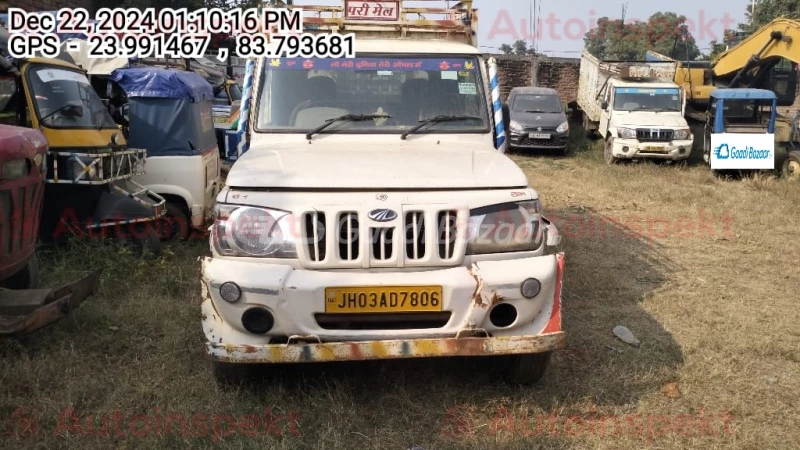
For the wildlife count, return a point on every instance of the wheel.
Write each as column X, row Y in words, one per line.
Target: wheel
column 175, row 225
column 142, row 239
column 607, row 152
column 791, row 167
column 527, row 369
column 26, row 278
column 228, row 374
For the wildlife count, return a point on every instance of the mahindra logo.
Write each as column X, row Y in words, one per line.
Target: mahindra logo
column 382, row 215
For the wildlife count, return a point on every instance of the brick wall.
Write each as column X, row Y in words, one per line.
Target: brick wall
column 561, row 74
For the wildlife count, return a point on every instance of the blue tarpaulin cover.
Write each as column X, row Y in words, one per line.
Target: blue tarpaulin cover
column 154, row 82
column 170, row 111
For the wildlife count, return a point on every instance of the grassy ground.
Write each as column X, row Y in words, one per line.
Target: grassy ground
column 704, row 272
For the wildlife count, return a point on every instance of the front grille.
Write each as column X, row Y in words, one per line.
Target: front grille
column 447, row 233
column 348, row 236
column 381, row 240
column 399, row 321
column 19, row 218
column 315, row 236
column 654, row 135
column 415, row 235
column 552, row 142
column 347, row 239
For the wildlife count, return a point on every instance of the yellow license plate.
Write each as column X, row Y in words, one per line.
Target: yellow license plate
column 654, row 149
column 383, row 299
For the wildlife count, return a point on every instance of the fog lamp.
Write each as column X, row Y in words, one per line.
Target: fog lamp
column 230, row 292
column 530, row 288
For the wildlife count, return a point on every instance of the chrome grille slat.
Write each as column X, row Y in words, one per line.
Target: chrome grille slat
column 349, row 239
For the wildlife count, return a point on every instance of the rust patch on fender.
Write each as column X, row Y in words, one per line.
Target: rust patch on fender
column 476, row 296
column 496, row 298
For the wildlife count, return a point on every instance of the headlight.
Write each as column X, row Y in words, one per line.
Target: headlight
column 508, row 227
column 683, row 133
column 15, row 168
column 515, row 126
column 563, row 127
column 626, row 133
column 253, row 232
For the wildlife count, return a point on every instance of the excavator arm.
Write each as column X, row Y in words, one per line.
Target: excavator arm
column 778, row 39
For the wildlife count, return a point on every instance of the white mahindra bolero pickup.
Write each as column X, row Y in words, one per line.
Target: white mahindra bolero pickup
column 372, row 217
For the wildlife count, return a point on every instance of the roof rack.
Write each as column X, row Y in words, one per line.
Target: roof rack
column 391, row 19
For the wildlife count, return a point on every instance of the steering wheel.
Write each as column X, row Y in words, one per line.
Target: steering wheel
column 311, row 104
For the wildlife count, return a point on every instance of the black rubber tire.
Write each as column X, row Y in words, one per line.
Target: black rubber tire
column 142, row 239
column 791, row 166
column 228, row 374
column 527, row 369
column 176, row 224
column 26, row 278
column 607, row 155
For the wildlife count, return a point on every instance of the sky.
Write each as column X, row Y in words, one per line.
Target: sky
column 564, row 22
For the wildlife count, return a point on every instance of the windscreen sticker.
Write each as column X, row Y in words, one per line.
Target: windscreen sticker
column 449, row 75
column 647, row 91
column 385, row 73
column 467, row 89
column 396, row 64
column 48, row 75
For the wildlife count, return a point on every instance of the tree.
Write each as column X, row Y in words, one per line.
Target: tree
column 664, row 32
column 519, row 47
column 768, row 10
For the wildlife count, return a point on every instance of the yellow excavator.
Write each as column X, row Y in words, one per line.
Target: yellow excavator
column 766, row 59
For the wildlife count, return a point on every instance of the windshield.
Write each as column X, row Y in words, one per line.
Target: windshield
column 299, row 95
column 637, row 99
column 536, row 103
column 53, row 88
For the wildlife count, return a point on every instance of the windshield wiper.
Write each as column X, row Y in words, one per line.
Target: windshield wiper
column 666, row 109
column 58, row 110
column 435, row 120
column 346, row 117
column 535, row 111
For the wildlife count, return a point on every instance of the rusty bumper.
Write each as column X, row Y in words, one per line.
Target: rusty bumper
column 25, row 311
column 391, row 349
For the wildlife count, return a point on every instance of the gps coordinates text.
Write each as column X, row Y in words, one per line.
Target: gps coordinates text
column 172, row 33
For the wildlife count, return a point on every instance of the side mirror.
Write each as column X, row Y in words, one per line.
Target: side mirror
column 570, row 111
column 73, row 110
column 506, row 118
column 604, row 106
column 115, row 139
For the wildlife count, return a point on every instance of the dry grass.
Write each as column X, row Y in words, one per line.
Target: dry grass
column 715, row 309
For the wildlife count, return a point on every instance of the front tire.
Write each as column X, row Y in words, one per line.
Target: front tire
column 608, row 153
column 229, row 374
column 791, row 167
column 142, row 240
column 26, row 278
column 175, row 225
column 528, row 369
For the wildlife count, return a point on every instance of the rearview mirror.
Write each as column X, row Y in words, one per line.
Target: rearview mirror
column 73, row 110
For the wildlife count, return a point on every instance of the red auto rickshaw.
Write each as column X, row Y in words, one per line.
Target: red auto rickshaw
column 23, row 306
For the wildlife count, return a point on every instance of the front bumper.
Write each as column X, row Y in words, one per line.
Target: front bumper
column 25, row 311
column 295, row 297
column 673, row 150
column 523, row 140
